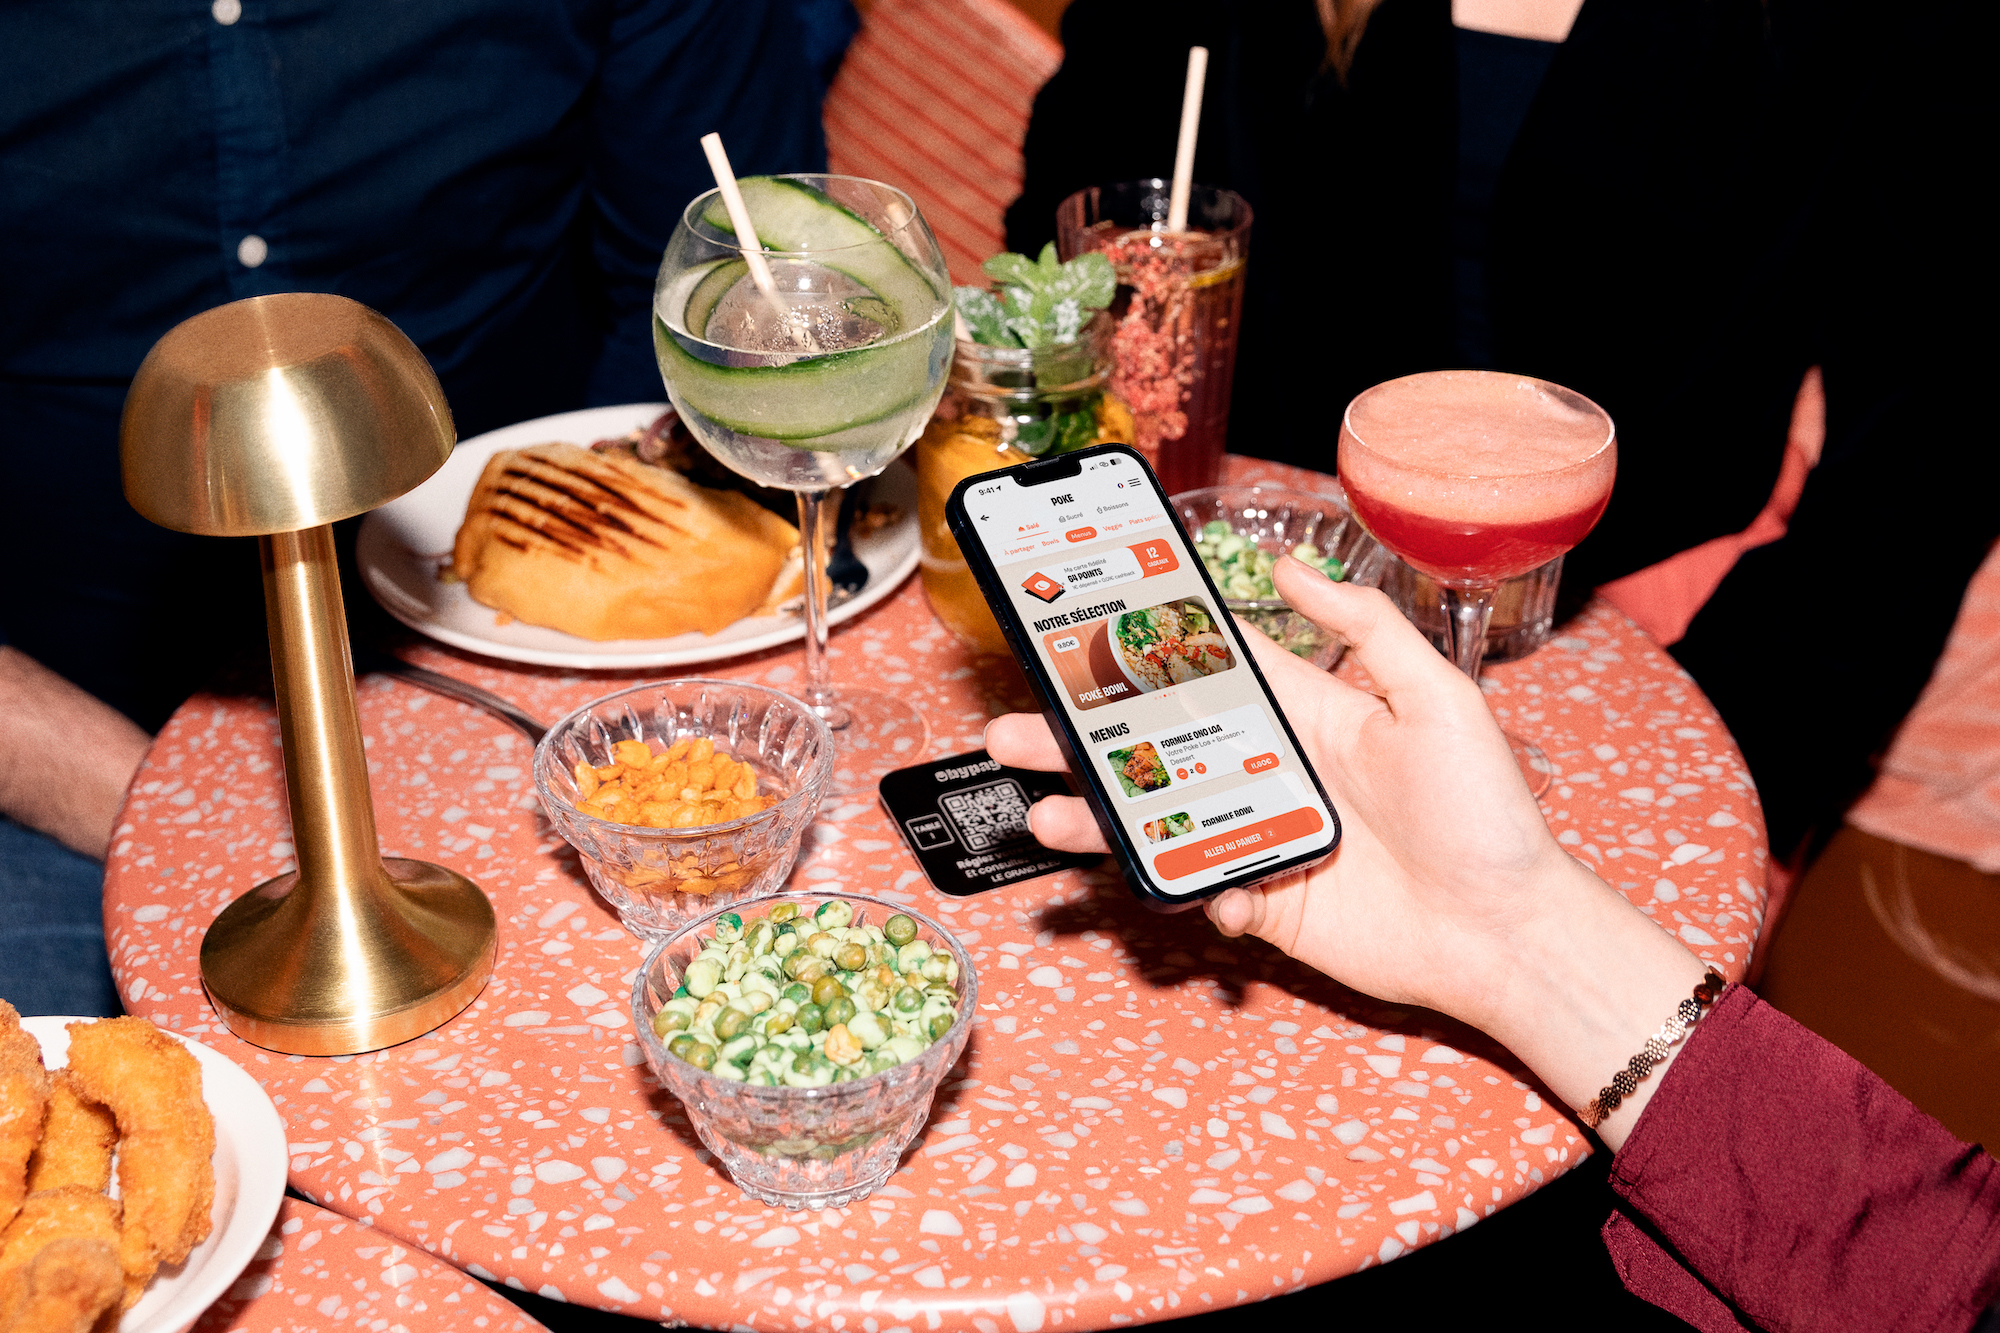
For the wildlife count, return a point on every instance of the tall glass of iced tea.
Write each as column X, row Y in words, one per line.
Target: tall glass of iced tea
column 1178, row 312
column 1475, row 477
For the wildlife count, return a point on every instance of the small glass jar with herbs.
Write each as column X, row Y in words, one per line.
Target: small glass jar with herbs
column 1027, row 381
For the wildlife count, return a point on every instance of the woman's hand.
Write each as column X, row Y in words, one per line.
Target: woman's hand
column 1447, row 889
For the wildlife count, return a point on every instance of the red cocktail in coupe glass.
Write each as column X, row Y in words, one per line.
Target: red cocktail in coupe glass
column 1475, row 477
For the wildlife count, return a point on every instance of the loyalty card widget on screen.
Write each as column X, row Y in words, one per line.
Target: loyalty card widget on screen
column 1108, row 569
column 1042, row 586
column 1238, row 741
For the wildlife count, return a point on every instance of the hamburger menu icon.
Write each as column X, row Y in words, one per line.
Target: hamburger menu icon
column 1042, row 586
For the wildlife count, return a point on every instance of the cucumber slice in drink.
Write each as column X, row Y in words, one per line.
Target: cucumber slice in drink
column 803, row 399
column 708, row 293
column 806, row 399
column 790, row 215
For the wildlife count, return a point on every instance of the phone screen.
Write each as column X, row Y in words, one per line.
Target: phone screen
column 1196, row 766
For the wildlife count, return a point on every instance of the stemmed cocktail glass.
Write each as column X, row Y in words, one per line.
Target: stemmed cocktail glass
column 1475, row 477
column 816, row 383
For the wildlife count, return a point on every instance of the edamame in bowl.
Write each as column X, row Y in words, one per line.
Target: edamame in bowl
column 806, row 1035
column 1240, row 531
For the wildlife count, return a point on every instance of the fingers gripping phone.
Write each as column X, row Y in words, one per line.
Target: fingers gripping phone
column 1187, row 760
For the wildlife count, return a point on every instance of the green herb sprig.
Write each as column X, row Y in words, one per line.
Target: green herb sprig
column 1039, row 302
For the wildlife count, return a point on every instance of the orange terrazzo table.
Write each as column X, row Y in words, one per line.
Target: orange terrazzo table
column 321, row 1271
column 1149, row 1120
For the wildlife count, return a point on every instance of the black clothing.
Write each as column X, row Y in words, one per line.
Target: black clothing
column 1497, row 80
column 1703, row 201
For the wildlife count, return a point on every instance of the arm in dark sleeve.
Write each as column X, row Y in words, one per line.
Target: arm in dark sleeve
column 1774, row 1182
column 672, row 73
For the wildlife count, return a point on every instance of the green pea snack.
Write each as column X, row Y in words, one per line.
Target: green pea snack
column 1242, row 572
column 801, row 999
column 1242, row 569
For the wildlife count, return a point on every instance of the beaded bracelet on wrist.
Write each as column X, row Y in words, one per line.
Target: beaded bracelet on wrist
column 1626, row 1081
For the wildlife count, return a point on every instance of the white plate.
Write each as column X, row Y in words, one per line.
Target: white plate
column 250, row 1165
column 403, row 544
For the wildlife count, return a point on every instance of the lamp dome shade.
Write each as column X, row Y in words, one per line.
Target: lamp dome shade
column 280, row 413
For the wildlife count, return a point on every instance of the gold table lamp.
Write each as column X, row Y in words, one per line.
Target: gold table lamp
column 274, row 418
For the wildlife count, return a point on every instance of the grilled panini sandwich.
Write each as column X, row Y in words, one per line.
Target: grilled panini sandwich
column 606, row 547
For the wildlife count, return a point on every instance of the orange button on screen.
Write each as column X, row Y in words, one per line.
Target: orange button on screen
column 1248, row 839
column 1155, row 558
column 1260, row 763
column 1080, row 534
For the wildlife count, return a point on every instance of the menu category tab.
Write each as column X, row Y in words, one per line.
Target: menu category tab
column 1024, row 523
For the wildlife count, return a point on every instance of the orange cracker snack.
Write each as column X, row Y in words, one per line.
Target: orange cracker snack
column 689, row 785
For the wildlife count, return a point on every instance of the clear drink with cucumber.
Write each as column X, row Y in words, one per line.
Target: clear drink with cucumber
column 820, row 382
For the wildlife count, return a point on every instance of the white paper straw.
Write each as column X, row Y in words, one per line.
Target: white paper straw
column 739, row 217
column 1197, row 75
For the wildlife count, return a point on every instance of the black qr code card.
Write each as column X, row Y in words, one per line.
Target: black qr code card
column 966, row 820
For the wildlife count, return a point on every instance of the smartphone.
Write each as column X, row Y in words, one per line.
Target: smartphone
column 1187, row 760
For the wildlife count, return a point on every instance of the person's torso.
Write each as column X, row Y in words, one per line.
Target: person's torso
column 161, row 156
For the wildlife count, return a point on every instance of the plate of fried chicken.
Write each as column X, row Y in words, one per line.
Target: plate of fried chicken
column 139, row 1173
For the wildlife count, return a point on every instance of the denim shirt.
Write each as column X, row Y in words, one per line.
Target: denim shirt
column 499, row 177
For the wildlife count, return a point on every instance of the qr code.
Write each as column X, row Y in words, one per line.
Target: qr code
column 989, row 816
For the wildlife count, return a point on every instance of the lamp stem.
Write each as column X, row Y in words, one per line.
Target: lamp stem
column 326, row 766
column 350, row 952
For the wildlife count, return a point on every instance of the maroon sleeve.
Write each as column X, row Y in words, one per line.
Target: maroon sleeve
column 1775, row 1181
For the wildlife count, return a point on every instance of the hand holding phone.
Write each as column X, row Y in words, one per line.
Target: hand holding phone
column 1189, row 765
column 1449, row 890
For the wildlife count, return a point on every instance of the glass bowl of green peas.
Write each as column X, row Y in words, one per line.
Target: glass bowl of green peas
column 806, row 1034
column 1240, row 531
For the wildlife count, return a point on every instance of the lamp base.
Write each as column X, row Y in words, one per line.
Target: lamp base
column 337, row 969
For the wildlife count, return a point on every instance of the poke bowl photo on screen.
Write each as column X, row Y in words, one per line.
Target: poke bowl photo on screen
column 1170, row 643
column 1172, row 826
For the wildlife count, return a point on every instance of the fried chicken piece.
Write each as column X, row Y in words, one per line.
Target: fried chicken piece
column 72, row 1212
column 24, row 1102
column 59, row 1266
column 166, row 1138
column 77, row 1140
column 68, row 1288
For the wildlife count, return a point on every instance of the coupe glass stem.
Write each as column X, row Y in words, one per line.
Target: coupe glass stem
column 1466, row 611
column 813, row 544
